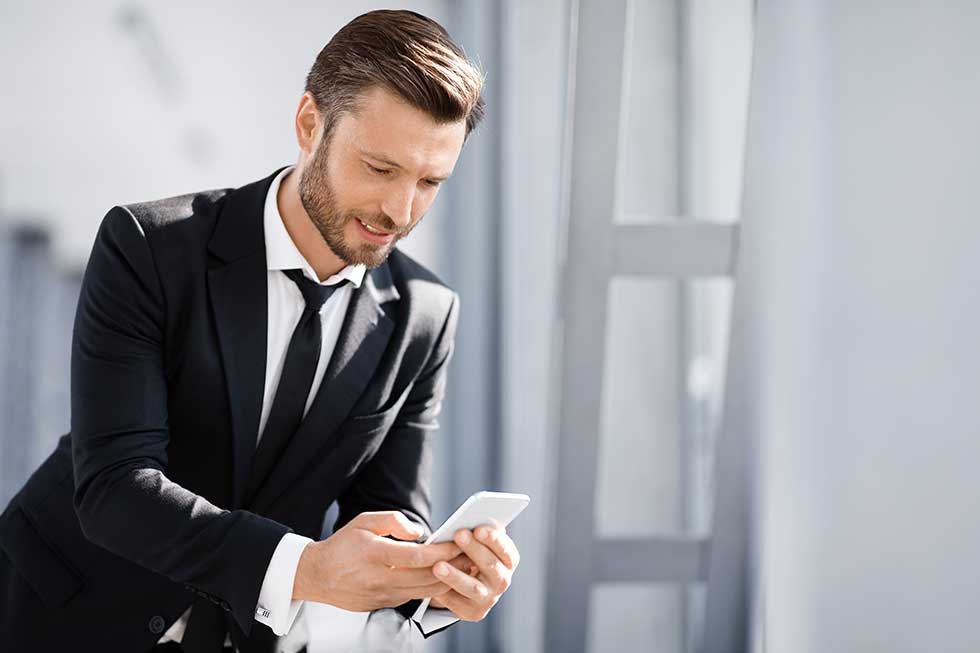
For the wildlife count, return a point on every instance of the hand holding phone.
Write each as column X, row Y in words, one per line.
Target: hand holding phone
column 494, row 509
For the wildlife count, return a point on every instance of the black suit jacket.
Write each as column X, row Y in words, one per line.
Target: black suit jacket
column 144, row 506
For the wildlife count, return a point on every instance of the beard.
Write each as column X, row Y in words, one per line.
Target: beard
column 317, row 194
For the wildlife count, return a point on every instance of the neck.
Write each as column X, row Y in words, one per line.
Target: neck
column 303, row 232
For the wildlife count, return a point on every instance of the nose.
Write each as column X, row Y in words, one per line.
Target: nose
column 398, row 206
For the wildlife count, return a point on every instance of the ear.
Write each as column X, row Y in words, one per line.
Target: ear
column 309, row 124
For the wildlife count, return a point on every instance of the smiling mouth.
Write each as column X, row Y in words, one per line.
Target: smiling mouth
column 373, row 230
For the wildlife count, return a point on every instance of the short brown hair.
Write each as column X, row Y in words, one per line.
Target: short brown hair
column 404, row 52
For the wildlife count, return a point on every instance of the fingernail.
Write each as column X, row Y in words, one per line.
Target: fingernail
column 481, row 590
column 464, row 537
column 482, row 533
column 442, row 569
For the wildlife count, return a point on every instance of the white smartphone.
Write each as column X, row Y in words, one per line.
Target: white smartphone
column 482, row 508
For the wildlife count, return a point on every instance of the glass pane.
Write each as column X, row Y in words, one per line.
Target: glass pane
column 630, row 617
column 638, row 474
column 648, row 171
column 696, row 602
column 707, row 308
column 685, row 107
column 663, row 382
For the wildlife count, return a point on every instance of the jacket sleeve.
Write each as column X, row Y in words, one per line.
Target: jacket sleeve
column 398, row 477
column 124, row 501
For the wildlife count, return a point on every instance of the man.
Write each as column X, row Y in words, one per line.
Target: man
column 241, row 359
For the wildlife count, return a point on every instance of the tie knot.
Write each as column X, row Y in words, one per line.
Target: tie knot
column 314, row 293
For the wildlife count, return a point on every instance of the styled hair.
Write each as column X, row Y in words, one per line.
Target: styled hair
column 404, row 52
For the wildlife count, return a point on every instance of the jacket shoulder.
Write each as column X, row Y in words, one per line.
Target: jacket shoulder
column 411, row 276
column 171, row 211
column 429, row 299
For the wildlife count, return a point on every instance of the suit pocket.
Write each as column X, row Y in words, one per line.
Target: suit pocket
column 51, row 576
column 378, row 417
column 372, row 422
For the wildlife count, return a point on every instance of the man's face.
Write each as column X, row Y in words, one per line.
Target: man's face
column 380, row 169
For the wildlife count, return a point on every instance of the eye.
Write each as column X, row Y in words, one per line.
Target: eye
column 432, row 183
column 378, row 171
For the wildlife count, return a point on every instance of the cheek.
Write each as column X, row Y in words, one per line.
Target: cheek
column 423, row 201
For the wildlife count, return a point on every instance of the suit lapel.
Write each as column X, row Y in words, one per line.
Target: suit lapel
column 238, row 290
column 363, row 339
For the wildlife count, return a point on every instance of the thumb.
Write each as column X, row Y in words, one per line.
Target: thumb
column 389, row 522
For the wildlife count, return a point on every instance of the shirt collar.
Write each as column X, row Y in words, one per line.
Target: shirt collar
column 281, row 252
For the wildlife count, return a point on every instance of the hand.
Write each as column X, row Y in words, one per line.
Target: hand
column 493, row 559
column 358, row 569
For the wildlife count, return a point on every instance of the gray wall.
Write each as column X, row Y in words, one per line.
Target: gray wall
column 856, row 317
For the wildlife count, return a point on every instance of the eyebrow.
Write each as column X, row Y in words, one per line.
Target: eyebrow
column 389, row 162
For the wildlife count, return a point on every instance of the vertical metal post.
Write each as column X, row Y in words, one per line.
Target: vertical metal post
column 594, row 152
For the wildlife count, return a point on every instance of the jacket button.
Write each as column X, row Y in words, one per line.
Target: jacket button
column 157, row 624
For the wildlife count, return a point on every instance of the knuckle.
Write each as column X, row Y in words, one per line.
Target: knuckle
column 494, row 569
column 384, row 557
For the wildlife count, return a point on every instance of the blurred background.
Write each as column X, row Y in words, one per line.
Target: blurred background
column 715, row 260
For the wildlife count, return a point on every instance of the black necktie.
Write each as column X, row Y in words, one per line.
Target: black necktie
column 297, row 377
column 206, row 629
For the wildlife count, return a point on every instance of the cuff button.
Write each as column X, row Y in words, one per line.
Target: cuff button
column 157, row 624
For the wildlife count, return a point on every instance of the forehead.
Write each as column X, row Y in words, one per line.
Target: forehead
column 385, row 124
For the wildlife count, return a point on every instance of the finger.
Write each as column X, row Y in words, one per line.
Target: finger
column 401, row 595
column 461, row 606
column 495, row 573
column 407, row 577
column 408, row 554
column 501, row 544
column 464, row 584
column 462, row 562
column 437, row 588
column 436, row 601
column 388, row 522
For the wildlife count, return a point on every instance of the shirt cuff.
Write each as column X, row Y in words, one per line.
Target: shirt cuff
column 430, row 621
column 276, row 607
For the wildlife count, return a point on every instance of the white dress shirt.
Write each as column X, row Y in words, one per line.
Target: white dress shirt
column 276, row 607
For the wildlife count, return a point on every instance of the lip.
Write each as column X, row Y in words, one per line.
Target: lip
column 374, row 238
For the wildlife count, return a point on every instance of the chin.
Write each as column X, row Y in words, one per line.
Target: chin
column 366, row 255
column 352, row 250
column 376, row 259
